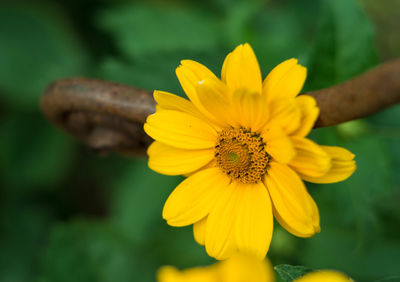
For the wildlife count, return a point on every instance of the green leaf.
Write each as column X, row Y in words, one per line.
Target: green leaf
column 35, row 155
column 287, row 273
column 389, row 279
column 283, row 245
column 277, row 35
column 156, row 71
column 339, row 247
column 353, row 129
column 37, row 46
column 370, row 184
column 141, row 29
column 354, row 226
column 344, row 46
column 238, row 19
column 359, row 196
column 387, row 119
column 24, row 225
column 176, row 246
column 386, row 124
column 136, row 210
column 139, row 196
column 84, row 251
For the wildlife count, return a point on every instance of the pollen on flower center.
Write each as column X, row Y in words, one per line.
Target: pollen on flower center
column 240, row 154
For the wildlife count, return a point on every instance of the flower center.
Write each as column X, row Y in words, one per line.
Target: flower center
column 240, row 154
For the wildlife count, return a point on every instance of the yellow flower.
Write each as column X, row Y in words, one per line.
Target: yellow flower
column 241, row 142
column 324, row 276
column 241, row 268
column 238, row 268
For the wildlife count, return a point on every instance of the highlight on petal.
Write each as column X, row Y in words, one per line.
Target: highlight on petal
column 241, row 70
column 278, row 144
column 220, row 224
column 199, row 231
column 169, row 101
column 293, row 206
column 216, row 104
column 254, row 220
column 224, row 67
column 180, row 130
column 194, row 197
column 189, row 74
column 309, row 114
column 286, row 114
column 342, row 167
column 311, row 159
column 285, row 81
column 324, row 275
column 174, row 161
column 250, row 109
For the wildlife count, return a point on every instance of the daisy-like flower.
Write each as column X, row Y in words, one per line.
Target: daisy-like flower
column 241, row 142
column 241, row 268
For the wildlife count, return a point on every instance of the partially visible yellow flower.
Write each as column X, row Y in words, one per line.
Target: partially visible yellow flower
column 242, row 143
column 238, row 268
column 324, row 276
column 241, row 268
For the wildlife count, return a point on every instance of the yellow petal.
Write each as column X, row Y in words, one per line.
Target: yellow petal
column 325, row 276
column 216, row 102
column 173, row 161
column 168, row 274
column 310, row 159
column 278, row 144
column 199, row 231
column 246, row 268
column 309, row 114
column 342, row 167
column 197, row 274
column 213, row 163
column 254, row 220
column 194, row 197
column 180, row 130
column 220, row 224
column 168, row 101
column 285, row 113
column 241, row 70
column 285, row 81
column 250, row 109
column 293, row 207
column 224, row 67
column 189, row 74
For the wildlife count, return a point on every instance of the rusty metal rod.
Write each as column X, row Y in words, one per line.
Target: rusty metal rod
column 360, row 96
column 109, row 117
column 105, row 116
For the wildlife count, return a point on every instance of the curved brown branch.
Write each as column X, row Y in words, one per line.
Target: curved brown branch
column 361, row 96
column 108, row 116
column 105, row 116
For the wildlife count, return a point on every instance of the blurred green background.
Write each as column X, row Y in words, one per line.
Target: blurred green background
column 70, row 215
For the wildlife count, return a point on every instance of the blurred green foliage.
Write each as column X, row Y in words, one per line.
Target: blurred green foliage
column 69, row 215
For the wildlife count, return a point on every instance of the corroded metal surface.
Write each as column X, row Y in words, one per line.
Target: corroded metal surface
column 361, row 96
column 109, row 117
column 105, row 116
